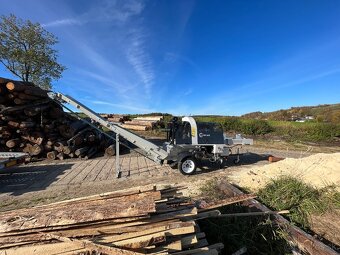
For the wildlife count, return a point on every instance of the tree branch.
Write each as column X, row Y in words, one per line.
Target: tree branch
column 12, row 71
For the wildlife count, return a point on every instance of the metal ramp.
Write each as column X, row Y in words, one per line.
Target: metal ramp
column 151, row 151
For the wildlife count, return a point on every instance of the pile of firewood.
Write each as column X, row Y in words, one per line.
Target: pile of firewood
column 147, row 221
column 144, row 123
column 31, row 122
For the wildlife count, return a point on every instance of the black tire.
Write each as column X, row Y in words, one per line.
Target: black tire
column 187, row 166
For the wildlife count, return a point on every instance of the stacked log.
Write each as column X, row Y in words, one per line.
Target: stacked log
column 144, row 123
column 138, row 221
column 115, row 117
column 31, row 122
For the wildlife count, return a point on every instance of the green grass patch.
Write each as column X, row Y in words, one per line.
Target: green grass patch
column 301, row 199
column 309, row 131
column 305, row 131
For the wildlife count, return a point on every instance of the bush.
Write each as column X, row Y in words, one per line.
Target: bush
column 232, row 124
column 308, row 131
column 256, row 127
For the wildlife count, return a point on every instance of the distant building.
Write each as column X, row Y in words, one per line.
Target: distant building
column 300, row 120
column 304, row 119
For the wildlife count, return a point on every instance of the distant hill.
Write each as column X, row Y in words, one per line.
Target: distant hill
column 321, row 113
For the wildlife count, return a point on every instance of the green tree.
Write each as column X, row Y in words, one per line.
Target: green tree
column 26, row 51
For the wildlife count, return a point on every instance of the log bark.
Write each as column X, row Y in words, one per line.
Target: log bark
column 35, row 110
column 26, row 124
column 91, row 153
column 20, row 101
column 81, row 151
column 35, row 91
column 27, row 97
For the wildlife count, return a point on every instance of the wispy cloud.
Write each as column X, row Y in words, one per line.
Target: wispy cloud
column 138, row 56
column 62, row 22
column 121, row 10
column 172, row 57
column 122, row 106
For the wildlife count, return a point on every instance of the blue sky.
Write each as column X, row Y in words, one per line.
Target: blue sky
column 192, row 57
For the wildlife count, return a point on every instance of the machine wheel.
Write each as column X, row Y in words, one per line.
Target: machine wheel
column 187, row 166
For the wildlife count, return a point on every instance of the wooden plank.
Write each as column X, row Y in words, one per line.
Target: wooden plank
column 75, row 170
column 114, row 226
column 152, row 229
column 104, row 173
column 93, row 176
column 127, row 206
column 147, row 240
column 173, row 246
column 189, row 241
column 43, row 249
column 228, row 201
column 203, row 250
column 96, row 247
column 140, row 242
column 95, row 171
column 79, row 178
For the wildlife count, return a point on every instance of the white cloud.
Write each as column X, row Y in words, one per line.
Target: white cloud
column 122, row 106
column 119, row 11
column 109, row 10
column 62, row 22
column 139, row 58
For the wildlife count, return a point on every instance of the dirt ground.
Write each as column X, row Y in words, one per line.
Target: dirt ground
column 50, row 181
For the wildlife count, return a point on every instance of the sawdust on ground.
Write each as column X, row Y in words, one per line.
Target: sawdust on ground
column 319, row 170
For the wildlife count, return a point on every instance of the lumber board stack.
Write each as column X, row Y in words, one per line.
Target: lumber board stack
column 144, row 123
column 31, row 122
column 138, row 221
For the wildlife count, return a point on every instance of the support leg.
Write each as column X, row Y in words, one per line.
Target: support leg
column 117, row 156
